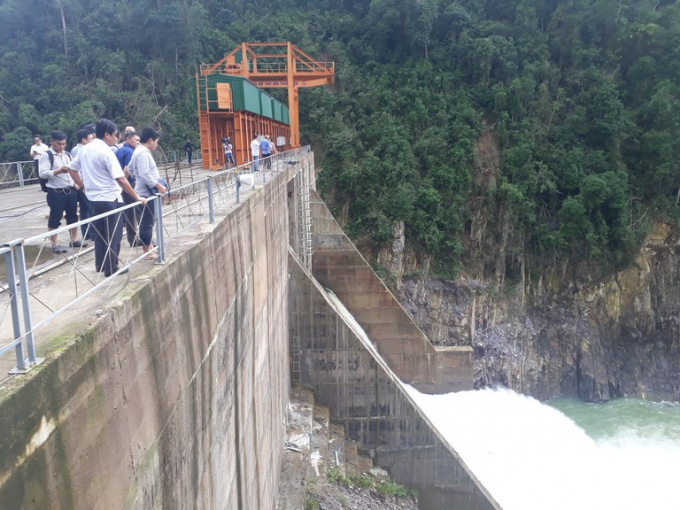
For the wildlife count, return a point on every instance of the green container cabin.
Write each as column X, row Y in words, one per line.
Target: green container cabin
column 265, row 104
column 245, row 97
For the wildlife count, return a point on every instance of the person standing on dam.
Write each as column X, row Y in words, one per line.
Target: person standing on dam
column 84, row 135
column 148, row 183
column 228, row 152
column 62, row 195
column 37, row 149
column 189, row 149
column 124, row 155
column 255, row 149
column 102, row 180
column 265, row 152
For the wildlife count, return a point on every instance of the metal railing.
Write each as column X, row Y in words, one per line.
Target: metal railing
column 163, row 157
column 72, row 275
column 273, row 67
column 21, row 173
column 18, row 173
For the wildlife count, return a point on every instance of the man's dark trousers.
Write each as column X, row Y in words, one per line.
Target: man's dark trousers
column 85, row 212
column 109, row 235
column 131, row 218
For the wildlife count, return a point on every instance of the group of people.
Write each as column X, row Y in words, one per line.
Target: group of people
column 262, row 148
column 98, row 176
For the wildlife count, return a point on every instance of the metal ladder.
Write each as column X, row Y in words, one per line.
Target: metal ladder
column 304, row 221
column 304, row 214
column 204, row 120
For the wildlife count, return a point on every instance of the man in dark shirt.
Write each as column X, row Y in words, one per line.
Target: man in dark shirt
column 124, row 155
column 189, row 149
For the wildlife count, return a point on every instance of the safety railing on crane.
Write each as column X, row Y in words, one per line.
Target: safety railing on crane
column 270, row 67
column 29, row 303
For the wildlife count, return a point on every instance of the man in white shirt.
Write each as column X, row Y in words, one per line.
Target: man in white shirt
column 102, row 180
column 255, row 149
column 148, row 182
column 62, row 195
column 84, row 135
column 37, row 149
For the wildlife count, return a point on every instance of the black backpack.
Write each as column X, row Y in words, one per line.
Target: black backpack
column 43, row 182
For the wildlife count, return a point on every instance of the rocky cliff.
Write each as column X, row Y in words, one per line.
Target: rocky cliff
column 559, row 334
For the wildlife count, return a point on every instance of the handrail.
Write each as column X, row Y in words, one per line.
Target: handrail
column 271, row 68
column 14, row 174
column 174, row 212
column 18, row 174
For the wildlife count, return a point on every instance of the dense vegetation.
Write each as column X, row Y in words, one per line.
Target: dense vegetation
column 581, row 98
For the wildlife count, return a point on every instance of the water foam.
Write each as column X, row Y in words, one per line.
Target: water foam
column 532, row 456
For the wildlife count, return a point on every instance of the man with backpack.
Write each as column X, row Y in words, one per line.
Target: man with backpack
column 62, row 196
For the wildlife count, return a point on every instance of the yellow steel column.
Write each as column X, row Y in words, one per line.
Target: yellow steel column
column 244, row 60
column 293, row 99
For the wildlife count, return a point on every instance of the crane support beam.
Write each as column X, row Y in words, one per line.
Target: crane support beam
column 276, row 65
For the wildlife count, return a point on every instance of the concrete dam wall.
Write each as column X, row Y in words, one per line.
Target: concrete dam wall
column 175, row 398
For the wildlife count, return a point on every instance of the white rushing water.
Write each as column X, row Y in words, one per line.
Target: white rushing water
column 532, row 456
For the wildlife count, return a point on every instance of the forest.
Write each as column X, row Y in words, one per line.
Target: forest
column 580, row 99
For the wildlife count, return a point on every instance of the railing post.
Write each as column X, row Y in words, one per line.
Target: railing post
column 20, row 174
column 211, row 202
column 25, row 304
column 158, row 212
column 238, row 188
column 14, row 305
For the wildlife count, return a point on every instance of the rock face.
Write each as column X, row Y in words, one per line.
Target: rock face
column 560, row 334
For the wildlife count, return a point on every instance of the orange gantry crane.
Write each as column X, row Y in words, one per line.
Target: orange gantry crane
column 266, row 65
